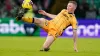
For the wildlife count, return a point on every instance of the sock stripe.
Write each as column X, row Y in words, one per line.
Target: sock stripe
column 33, row 20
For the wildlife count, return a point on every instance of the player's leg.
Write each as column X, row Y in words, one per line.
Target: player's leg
column 49, row 40
column 38, row 21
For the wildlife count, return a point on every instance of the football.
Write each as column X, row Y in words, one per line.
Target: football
column 27, row 4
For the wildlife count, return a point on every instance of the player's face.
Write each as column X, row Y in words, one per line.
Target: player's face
column 70, row 7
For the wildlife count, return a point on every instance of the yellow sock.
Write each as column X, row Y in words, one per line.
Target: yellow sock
column 28, row 20
column 28, row 17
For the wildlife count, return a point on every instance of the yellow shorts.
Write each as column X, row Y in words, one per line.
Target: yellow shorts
column 50, row 29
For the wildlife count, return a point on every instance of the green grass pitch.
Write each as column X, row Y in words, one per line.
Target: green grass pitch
column 30, row 46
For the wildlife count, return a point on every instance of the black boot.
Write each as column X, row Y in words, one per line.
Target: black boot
column 45, row 49
column 21, row 12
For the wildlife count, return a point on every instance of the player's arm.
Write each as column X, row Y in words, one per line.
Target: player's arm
column 74, row 26
column 75, row 39
column 46, row 14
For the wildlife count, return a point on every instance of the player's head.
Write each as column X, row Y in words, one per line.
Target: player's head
column 72, row 5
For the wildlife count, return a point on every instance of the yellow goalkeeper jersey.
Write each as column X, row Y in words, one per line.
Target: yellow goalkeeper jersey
column 63, row 20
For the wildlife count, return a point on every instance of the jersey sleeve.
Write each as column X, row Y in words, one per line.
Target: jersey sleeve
column 63, row 10
column 74, row 24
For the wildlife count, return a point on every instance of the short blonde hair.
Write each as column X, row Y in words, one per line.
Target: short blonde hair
column 74, row 2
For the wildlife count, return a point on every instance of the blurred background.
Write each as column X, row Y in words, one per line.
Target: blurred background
column 18, row 38
column 87, row 14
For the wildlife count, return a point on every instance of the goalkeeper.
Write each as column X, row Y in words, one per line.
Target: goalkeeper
column 53, row 27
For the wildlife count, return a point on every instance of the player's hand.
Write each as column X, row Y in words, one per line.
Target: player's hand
column 42, row 12
column 75, row 48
